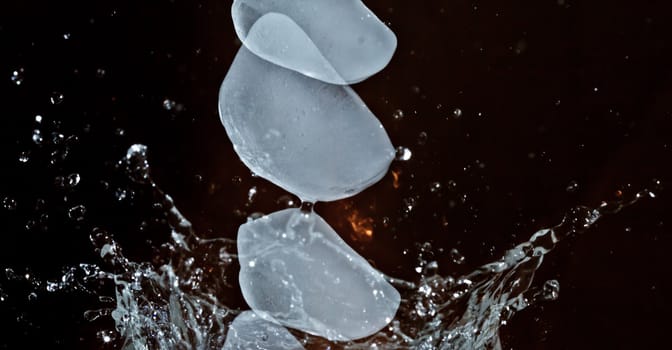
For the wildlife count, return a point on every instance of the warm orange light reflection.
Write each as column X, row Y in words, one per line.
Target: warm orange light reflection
column 362, row 227
column 395, row 178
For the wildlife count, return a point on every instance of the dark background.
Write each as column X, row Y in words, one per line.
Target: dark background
column 563, row 102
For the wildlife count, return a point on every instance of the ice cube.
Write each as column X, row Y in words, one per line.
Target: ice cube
column 249, row 331
column 316, row 37
column 295, row 269
column 316, row 140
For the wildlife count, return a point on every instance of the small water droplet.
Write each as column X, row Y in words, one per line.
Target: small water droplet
column 254, row 216
column 409, row 204
column 38, row 119
column 66, row 36
column 9, row 203
column 572, row 187
column 456, row 257
column 100, row 73
column 403, row 153
column 551, row 290
column 77, row 213
column 457, row 113
column 435, row 187
column 307, row 207
column 106, row 336
column 24, row 157
column 398, row 114
column 422, row 138
column 287, row 201
column 17, row 76
column 56, row 98
column 237, row 180
column 168, row 104
column 251, row 194
column 72, row 180
column 37, row 136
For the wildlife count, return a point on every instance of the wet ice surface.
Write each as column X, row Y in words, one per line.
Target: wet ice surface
column 339, row 42
column 296, row 269
column 249, row 331
column 316, row 140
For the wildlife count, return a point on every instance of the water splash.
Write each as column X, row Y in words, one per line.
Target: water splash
column 188, row 295
column 181, row 302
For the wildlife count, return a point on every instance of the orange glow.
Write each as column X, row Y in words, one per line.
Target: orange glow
column 395, row 178
column 362, row 227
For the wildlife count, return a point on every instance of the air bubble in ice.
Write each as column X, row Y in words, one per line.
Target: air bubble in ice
column 338, row 42
column 296, row 270
column 319, row 142
column 249, row 331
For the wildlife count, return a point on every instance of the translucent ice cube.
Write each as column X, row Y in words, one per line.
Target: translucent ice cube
column 316, row 37
column 249, row 331
column 295, row 269
column 316, row 140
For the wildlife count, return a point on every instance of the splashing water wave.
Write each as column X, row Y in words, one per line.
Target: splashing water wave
column 181, row 303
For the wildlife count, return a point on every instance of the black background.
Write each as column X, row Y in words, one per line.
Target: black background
column 563, row 102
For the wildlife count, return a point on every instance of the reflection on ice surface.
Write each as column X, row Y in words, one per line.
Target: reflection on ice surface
column 297, row 270
column 316, row 140
column 338, row 42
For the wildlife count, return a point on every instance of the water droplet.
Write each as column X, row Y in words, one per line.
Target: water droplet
column 457, row 113
column 422, row 138
column 38, row 119
column 398, row 114
column 100, row 73
column 551, row 290
column 66, row 36
column 17, row 76
column 435, row 187
column 72, row 180
column 9, row 203
column 254, row 216
column 77, row 213
column 307, row 207
column 251, row 194
column 37, row 136
column 56, row 98
column 403, row 153
column 121, row 194
column 456, row 257
column 24, row 157
column 168, row 104
column 237, row 180
column 409, row 204
column 572, row 187
column 106, row 336
column 287, row 201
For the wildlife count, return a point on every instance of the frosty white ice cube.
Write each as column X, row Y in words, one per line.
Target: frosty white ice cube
column 295, row 269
